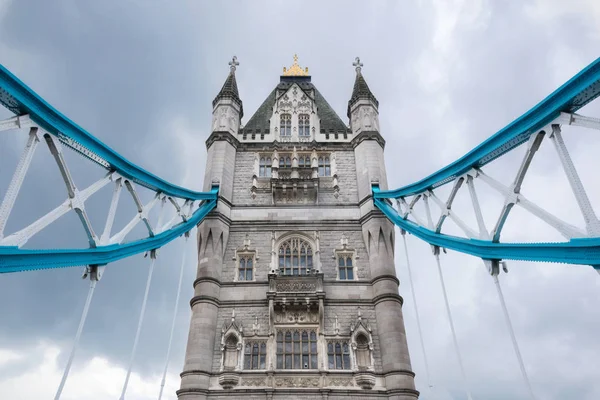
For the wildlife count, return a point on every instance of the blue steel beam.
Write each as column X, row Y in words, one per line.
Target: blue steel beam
column 576, row 251
column 570, row 97
column 20, row 99
column 13, row 259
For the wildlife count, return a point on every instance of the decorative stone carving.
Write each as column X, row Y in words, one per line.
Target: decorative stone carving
column 257, row 382
column 231, row 345
column 366, row 380
column 340, row 382
column 292, row 286
column 228, row 380
column 297, row 317
column 297, row 382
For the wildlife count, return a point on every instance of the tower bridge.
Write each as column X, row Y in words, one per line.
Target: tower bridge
column 296, row 293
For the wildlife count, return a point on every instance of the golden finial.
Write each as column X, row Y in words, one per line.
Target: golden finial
column 295, row 69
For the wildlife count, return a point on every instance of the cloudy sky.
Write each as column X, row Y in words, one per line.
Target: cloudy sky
column 141, row 77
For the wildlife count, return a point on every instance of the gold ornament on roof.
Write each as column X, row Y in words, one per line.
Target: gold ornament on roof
column 295, row 69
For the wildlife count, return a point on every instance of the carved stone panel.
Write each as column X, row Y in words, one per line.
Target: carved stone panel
column 297, row 382
column 296, row 317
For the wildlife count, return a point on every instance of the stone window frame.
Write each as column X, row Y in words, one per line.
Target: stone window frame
column 260, row 356
column 338, row 253
column 245, row 255
column 303, row 125
column 264, row 166
column 313, row 357
column 285, row 125
column 324, row 165
column 245, row 251
column 348, row 364
column 308, row 269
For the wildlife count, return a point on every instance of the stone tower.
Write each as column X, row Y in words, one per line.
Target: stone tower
column 296, row 295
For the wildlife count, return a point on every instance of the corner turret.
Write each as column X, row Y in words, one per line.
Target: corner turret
column 228, row 109
column 363, row 107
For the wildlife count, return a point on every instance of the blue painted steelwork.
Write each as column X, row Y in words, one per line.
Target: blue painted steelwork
column 576, row 251
column 21, row 100
column 570, row 97
column 13, row 259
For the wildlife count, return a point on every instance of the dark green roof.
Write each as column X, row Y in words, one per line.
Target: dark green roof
column 329, row 120
column 230, row 91
column 361, row 91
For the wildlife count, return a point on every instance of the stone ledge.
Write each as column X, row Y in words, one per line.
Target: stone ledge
column 204, row 299
column 388, row 297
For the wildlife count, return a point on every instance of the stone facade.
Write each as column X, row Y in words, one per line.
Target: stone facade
column 296, row 293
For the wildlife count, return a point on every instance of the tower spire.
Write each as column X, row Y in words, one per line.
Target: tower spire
column 230, row 89
column 362, row 97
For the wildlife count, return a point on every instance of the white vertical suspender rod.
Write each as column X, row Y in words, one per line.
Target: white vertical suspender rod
column 495, row 272
column 412, row 289
column 436, row 253
column 182, row 268
column 93, row 272
column 144, row 302
column 493, row 267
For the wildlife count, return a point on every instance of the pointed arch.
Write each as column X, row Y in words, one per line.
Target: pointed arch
column 381, row 243
column 209, row 249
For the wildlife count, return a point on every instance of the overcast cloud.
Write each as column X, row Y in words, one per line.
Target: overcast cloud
column 141, row 76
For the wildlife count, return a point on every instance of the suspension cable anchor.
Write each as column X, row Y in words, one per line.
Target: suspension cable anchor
column 494, row 266
column 94, row 272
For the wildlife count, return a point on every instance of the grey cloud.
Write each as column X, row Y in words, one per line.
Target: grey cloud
column 127, row 71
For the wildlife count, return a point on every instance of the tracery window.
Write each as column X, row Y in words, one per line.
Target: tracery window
column 295, row 257
column 285, row 125
column 255, row 355
column 304, row 161
column 338, row 355
column 345, row 267
column 246, row 268
column 297, row 349
column 303, row 125
column 264, row 168
column 285, row 161
column 324, row 166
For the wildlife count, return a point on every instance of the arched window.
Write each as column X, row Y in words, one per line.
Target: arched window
column 288, row 162
column 338, row 355
column 297, row 349
column 285, row 125
column 246, row 268
column 261, row 168
column 303, row 125
column 301, row 162
column 264, row 168
column 363, row 354
column 255, row 354
column 230, row 361
column 307, row 161
column 345, row 268
column 295, row 257
column 324, row 166
column 281, row 162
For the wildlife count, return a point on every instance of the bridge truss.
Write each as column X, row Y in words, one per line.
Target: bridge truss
column 172, row 211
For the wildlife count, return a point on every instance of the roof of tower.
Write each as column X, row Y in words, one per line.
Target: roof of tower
column 260, row 121
column 230, row 89
column 361, row 89
column 329, row 120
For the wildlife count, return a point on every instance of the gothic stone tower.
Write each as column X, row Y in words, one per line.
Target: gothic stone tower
column 296, row 295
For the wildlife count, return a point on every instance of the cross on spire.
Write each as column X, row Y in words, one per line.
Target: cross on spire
column 357, row 64
column 233, row 64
